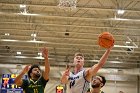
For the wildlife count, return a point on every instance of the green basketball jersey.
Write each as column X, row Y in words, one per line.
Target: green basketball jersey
column 31, row 86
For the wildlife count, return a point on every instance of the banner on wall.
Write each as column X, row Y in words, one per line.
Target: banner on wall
column 8, row 85
column 8, row 80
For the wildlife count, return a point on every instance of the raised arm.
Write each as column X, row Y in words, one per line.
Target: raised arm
column 65, row 75
column 47, row 65
column 18, row 80
column 94, row 69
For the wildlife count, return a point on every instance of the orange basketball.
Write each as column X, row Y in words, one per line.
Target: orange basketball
column 106, row 40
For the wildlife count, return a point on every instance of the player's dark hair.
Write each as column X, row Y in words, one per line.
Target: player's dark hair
column 30, row 70
column 103, row 80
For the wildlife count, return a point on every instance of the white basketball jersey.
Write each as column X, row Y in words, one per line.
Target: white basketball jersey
column 78, row 83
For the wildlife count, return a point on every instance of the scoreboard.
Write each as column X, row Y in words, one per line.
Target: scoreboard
column 8, row 85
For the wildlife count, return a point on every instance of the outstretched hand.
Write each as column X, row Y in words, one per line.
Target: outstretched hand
column 111, row 47
column 45, row 52
column 67, row 71
column 66, row 74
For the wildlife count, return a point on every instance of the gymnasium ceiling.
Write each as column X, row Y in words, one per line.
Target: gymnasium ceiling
column 66, row 31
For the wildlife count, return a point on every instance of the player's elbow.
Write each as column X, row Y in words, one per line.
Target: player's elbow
column 46, row 78
column 17, row 82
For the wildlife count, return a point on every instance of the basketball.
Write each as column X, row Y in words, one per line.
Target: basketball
column 106, row 40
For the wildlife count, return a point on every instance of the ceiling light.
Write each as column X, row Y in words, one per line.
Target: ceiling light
column 125, row 46
column 39, row 57
column 33, row 35
column 7, row 34
column 40, row 54
column 19, row 53
column 120, row 12
column 8, row 40
column 29, row 14
column 20, row 57
column 121, row 19
column 22, row 6
column 36, row 41
column 127, row 42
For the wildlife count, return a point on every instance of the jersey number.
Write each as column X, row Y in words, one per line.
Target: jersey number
column 72, row 83
column 35, row 90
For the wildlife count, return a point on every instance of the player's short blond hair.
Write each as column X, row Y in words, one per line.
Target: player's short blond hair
column 79, row 54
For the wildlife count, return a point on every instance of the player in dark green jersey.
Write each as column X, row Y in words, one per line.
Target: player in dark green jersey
column 37, row 78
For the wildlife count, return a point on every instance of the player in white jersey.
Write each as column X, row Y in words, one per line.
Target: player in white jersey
column 78, row 81
column 80, row 78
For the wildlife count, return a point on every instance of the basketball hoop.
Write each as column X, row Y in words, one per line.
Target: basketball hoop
column 71, row 4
